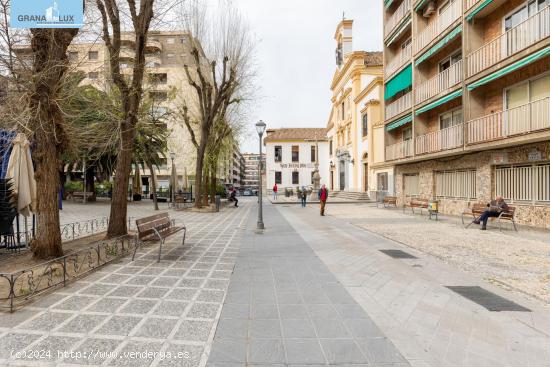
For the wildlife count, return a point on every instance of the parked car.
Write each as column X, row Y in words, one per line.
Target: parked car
column 247, row 192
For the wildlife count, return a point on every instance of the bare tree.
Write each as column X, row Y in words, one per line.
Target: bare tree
column 130, row 94
column 218, row 73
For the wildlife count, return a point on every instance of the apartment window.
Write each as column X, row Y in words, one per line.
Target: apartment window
column 382, row 181
column 523, row 12
column 365, row 124
column 73, row 56
column 158, row 96
column 278, row 177
column 407, row 43
column 529, row 91
column 295, row 178
column 460, row 184
column 170, row 41
column 449, row 61
column 451, row 118
column 523, row 183
column 93, row 75
column 411, row 184
column 278, row 153
column 93, row 55
column 170, row 56
column 295, row 153
column 330, row 147
column 313, row 155
column 407, row 133
column 159, row 78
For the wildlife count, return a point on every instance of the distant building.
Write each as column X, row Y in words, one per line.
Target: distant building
column 233, row 168
column 251, row 170
column 291, row 156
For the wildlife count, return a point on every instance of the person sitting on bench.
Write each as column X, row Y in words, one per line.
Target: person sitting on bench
column 493, row 210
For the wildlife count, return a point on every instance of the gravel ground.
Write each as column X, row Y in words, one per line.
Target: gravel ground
column 520, row 261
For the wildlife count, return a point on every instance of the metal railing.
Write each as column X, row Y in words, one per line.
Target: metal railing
column 395, row 19
column 438, row 25
column 444, row 139
column 400, row 150
column 439, row 83
column 399, row 105
column 525, row 34
column 468, row 4
column 527, row 118
column 400, row 59
column 19, row 287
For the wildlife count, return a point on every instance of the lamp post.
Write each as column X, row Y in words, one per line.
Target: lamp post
column 172, row 157
column 260, row 128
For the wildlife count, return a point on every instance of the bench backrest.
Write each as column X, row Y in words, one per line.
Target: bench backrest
column 147, row 225
column 478, row 207
column 390, row 199
column 510, row 212
column 419, row 202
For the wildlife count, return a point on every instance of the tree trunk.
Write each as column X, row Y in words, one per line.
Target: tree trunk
column 213, row 186
column 90, row 180
column 119, row 203
column 205, row 183
column 198, row 176
column 153, row 186
column 49, row 48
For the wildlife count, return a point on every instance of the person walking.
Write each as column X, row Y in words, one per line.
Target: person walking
column 304, row 196
column 275, row 192
column 233, row 197
column 323, row 196
column 495, row 208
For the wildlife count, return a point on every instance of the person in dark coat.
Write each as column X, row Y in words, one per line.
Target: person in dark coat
column 233, row 197
column 495, row 208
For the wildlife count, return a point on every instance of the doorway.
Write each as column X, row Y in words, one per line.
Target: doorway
column 342, row 172
column 365, row 177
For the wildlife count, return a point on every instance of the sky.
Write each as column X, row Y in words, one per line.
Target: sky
column 295, row 56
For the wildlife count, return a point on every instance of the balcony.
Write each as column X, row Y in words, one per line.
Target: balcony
column 403, row 57
column 468, row 4
column 444, row 139
column 441, row 82
column 400, row 150
column 398, row 106
column 127, row 54
column 525, row 34
column 438, row 25
column 153, row 45
column 528, row 118
column 395, row 19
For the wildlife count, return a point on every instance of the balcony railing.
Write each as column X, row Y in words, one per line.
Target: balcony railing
column 439, row 83
column 468, row 4
column 525, row 34
column 396, row 18
column 398, row 106
column 527, row 118
column 444, row 139
column 400, row 150
column 402, row 57
column 438, row 25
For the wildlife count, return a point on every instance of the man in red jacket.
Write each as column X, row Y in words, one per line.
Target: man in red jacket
column 275, row 192
column 323, row 196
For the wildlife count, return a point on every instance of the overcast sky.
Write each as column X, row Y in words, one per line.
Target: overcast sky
column 296, row 56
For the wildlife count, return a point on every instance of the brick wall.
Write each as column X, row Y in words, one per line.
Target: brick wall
column 533, row 215
column 493, row 22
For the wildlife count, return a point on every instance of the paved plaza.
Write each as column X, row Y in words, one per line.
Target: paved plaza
column 307, row 291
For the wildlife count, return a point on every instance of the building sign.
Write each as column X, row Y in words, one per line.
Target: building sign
column 500, row 158
column 535, row 155
column 297, row 165
column 47, row 13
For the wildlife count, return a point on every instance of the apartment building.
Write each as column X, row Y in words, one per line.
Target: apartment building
column 467, row 102
column 293, row 154
column 165, row 84
column 251, row 170
column 233, row 168
column 355, row 124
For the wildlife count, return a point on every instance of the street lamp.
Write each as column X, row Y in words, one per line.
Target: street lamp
column 172, row 157
column 260, row 128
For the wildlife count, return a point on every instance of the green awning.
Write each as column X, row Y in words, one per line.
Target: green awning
column 439, row 44
column 396, row 124
column 387, row 3
column 439, row 102
column 404, row 25
column 400, row 82
column 477, row 9
column 519, row 64
column 420, row 5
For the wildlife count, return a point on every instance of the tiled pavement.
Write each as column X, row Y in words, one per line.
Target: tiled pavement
column 139, row 306
column 285, row 308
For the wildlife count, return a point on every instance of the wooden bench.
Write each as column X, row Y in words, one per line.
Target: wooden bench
column 158, row 226
column 479, row 208
column 416, row 203
column 79, row 195
column 389, row 200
